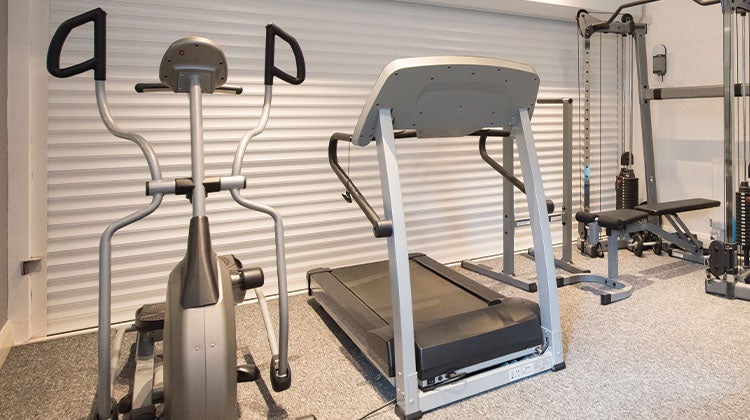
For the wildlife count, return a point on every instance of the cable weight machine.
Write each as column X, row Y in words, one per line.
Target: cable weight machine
column 626, row 182
column 725, row 275
column 683, row 243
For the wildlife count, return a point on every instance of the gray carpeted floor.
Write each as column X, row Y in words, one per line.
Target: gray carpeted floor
column 670, row 351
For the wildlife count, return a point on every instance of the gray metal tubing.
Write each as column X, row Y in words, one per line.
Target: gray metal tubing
column 743, row 92
column 146, row 149
column 266, row 314
column 280, row 272
column 694, row 92
column 586, row 154
column 509, row 216
column 196, row 145
column 742, row 291
column 240, row 153
column 104, row 390
column 380, row 227
column 407, row 391
column 278, row 231
column 675, row 219
column 508, row 175
column 627, row 5
column 728, row 75
column 541, row 234
column 567, row 209
column 649, row 166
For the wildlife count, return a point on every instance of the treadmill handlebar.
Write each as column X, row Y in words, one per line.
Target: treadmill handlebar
column 498, row 167
column 381, row 227
column 502, row 171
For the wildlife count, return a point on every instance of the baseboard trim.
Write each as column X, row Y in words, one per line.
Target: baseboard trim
column 6, row 342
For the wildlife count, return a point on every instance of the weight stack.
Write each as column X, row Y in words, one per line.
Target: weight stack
column 626, row 189
column 743, row 222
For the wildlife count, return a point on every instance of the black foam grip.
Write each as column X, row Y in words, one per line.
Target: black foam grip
column 272, row 31
column 98, row 62
column 550, row 206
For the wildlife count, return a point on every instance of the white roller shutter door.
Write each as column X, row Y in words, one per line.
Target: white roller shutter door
column 453, row 199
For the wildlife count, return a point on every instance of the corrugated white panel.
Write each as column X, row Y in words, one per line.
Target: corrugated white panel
column 453, row 199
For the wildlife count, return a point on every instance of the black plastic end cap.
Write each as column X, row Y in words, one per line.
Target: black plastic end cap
column 626, row 159
column 251, row 278
column 559, row 366
column 413, row 416
column 280, row 382
column 560, row 281
column 606, row 299
column 382, row 228
column 533, row 288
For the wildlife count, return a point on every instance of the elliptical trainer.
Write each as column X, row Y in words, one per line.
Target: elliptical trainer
column 199, row 362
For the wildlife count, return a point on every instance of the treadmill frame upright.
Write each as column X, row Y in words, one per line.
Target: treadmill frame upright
column 410, row 400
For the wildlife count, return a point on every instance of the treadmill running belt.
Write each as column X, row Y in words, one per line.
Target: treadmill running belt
column 453, row 328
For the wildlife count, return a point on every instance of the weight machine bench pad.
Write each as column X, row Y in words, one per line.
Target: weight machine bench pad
column 678, row 206
column 612, row 219
column 619, row 219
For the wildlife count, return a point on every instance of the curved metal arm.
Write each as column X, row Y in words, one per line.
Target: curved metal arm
column 627, row 5
column 145, row 146
column 381, row 227
column 240, row 153
column 104, row 390
column 498, row 167
column 283, row 365
column 640, row 2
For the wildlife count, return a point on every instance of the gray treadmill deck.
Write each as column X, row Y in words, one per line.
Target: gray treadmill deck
column 457, row 322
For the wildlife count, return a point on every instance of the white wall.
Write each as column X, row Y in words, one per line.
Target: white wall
column 688, row 134
column 3, row 164
column 550, row 9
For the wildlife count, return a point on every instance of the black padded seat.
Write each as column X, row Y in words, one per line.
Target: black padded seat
column 678, row 206
column 619, row 219
column 586, row 217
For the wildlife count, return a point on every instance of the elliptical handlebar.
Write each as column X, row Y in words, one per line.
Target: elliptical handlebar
column 104, row 404
column 98, row 62
column 272, row 31
column 280, row 370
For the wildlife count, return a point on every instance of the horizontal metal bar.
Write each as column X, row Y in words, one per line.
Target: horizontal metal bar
column 555, row 101
column 693, row 92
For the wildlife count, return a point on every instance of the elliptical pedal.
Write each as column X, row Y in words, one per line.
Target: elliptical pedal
column 150, row 317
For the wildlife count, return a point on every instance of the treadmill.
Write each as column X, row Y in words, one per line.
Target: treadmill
column 438, row 335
